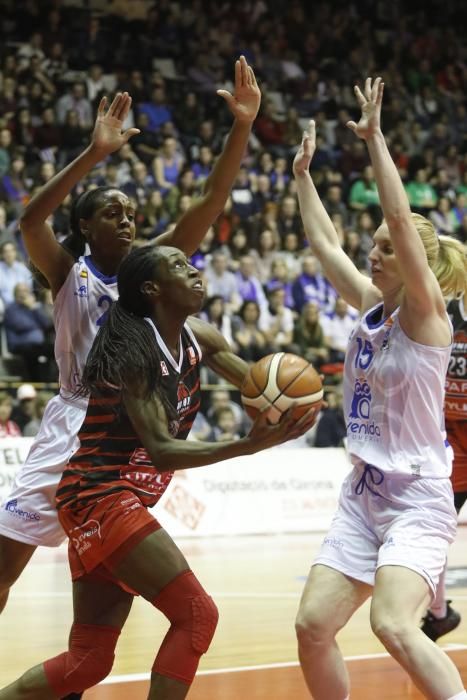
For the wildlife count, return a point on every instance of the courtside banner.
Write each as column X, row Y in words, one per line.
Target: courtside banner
column 13, row 452
column 280, row 490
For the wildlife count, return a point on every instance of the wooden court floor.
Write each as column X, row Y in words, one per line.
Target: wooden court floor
column 256, row 582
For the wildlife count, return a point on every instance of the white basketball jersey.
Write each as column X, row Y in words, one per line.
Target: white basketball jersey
column 79, row 310
column 393, row 399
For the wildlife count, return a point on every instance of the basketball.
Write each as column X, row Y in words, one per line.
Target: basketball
column 280, row 380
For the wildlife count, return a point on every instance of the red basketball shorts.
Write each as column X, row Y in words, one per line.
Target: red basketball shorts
column 100, row 534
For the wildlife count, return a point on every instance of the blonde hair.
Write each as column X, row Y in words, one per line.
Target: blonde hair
column 446, row 256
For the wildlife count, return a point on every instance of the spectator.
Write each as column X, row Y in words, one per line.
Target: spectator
column 331, row 429
column 443, row 218
column 249, row 287
column 220, row 399
column 280, row 278
column 157, row 110
column 40, row 402
column 308, row 336
column 75, row 100
column 23, row 411
column 238, row 248
column 250, row 339
column 277, row 321
column 12, row 272
column 29, row 334
column 422, row 196
column 220, row 281
column 14, row 186
column 5, row 151
column 224, row 426
column 311, row 285
column 214, row 312
column 8, row 428
column 337, row 327
column 168, row 165
column 363, row 193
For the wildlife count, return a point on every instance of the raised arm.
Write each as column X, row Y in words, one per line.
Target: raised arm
column 320, row 232
column 244, row 105
column 422, row 294
column 43, row 249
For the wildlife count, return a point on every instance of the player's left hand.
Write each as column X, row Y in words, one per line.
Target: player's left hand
column 244, row 103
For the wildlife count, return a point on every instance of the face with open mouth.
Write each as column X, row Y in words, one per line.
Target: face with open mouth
column 179, row 283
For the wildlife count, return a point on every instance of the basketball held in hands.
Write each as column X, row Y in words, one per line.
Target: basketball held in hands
column 278, row 381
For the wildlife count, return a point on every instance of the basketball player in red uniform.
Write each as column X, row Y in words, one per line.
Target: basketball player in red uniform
column 142, row 379
column 441, row 618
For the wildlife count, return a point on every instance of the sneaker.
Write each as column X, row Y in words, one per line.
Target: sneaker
column 435, row 627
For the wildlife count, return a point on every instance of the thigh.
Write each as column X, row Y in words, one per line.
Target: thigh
column 100, row 602
column 399, row 594
column 331, row 598
column 150, row 565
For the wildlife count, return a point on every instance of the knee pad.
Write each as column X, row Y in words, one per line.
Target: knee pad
column 88, row 660
column 193, row 616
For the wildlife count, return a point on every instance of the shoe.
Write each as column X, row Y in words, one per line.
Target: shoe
column 435, row 627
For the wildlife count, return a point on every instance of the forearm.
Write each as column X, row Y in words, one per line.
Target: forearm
column 56, row 190
column 318, row 226
column 179, row 454
column 393, row 197
column 220, row 181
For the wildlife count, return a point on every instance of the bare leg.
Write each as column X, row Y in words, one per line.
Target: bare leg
column 95, row 603
column 399, row 599
column 14, row 556
column 148, row 568
column 328, row 602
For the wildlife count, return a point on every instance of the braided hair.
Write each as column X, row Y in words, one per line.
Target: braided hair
column 124, row 351
column 83, row 207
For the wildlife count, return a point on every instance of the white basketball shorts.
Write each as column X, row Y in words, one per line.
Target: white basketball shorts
column 28, row 514
column 390, row 519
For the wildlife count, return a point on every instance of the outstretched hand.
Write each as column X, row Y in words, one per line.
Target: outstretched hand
column 302, row 160
column 370, row 101
column 108, row 136
column 244, row 103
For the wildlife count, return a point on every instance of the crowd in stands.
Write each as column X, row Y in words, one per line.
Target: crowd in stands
column 265, row 290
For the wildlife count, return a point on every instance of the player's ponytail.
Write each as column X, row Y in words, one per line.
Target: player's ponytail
column 446, row 256
column 451, row 267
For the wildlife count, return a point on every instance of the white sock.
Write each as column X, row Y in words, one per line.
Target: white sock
column 459, row 696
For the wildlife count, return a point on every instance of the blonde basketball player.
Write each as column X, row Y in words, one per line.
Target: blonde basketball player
column 396, row 516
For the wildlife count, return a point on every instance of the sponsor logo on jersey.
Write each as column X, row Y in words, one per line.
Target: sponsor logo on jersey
column 12, row 507
column 81, row 536
column 164, row 370
column 183, row 398
column 360, row 409
column 82, row 291
column 191, row 355
column 83, row 274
